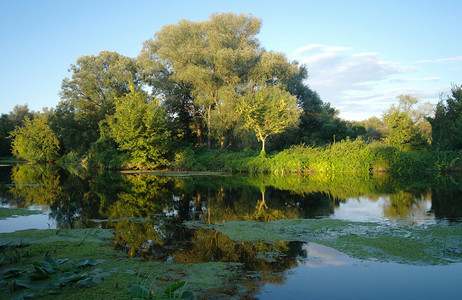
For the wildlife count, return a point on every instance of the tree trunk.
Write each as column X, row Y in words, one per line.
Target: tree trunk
column 209, row 109
column 262, row 139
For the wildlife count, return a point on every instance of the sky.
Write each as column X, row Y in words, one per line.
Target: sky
column 360, row 55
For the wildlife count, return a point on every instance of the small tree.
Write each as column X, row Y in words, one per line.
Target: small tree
column 269, row 111
column 35, row 141
column 404, row 134
column 139, row 127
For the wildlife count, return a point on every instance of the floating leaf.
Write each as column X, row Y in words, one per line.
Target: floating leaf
column 10, row 272
column 53, row 288
column 86, row 282
column 138, row 291
column 49, row 264
column 26, row 284
column 87, row 262
column 71, row 277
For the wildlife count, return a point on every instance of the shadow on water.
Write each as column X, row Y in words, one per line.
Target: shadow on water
column 184, row 219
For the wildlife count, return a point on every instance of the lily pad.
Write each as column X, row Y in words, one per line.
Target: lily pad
column 86, row 282
column 10, row 272
column 87, row 262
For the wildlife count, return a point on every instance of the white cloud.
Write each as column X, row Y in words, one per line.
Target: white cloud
column 406, row 80
column 361, row 84
column 442, row 60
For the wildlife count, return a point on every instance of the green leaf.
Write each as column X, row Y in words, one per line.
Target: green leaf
column 138, row 291
column 87, row 262
column 86, row 282
column 71, row 277
column 10, row 272
column 49, row 264
column 53, row 288
column 1, row 259
column 173, row 287
column 27, row 284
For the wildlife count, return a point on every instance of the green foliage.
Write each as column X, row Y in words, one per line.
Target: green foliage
column 269, row 111
column 89, row 96
column 403, row 135
column 447, row 122
column 7, row 124
column 213, row 63
column 139, row 127
column 35, row 141
column 346, row 157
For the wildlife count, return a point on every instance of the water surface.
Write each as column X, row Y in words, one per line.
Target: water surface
column 177, row 218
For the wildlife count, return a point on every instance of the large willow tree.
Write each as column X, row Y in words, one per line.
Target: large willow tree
column 219, row 60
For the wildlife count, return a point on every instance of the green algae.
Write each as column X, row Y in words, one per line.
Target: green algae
column 15, row 212
column 417, row 245
column 91, row 268
column 36, row 236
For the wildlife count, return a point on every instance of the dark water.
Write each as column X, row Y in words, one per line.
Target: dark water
column 148, row 213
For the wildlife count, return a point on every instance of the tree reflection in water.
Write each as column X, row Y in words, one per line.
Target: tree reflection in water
column 147, row 211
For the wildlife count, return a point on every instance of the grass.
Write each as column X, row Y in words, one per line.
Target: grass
column 345, row 156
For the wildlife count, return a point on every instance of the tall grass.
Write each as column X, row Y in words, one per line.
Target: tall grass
column 346, row 156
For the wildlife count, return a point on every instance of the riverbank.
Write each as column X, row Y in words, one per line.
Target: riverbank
column 345, row 156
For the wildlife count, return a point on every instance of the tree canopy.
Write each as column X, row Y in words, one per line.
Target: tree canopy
column 447, row 122
column 269, row 111
column 139, row 127
column 35, row 141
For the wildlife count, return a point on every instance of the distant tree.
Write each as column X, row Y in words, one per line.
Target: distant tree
column 404, row 134
column 447, row 122
column 7, row 124
column 139, row 127
column 269, row 111
column 418, row 114
column 401, row 120
column 376, row 129
column 35, row 141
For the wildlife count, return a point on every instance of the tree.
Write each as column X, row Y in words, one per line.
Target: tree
column 7, row 124
column 418, row 114
column 139, row 127
column 402, row 120
column 447, row 122
column 269, row 111
column 35, row 141
column 89, row 95
column 403, row 135
column 219, row 60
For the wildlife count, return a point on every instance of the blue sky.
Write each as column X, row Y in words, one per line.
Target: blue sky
column 360, row 54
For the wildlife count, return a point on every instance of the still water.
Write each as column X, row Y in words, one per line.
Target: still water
column 361, row 227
